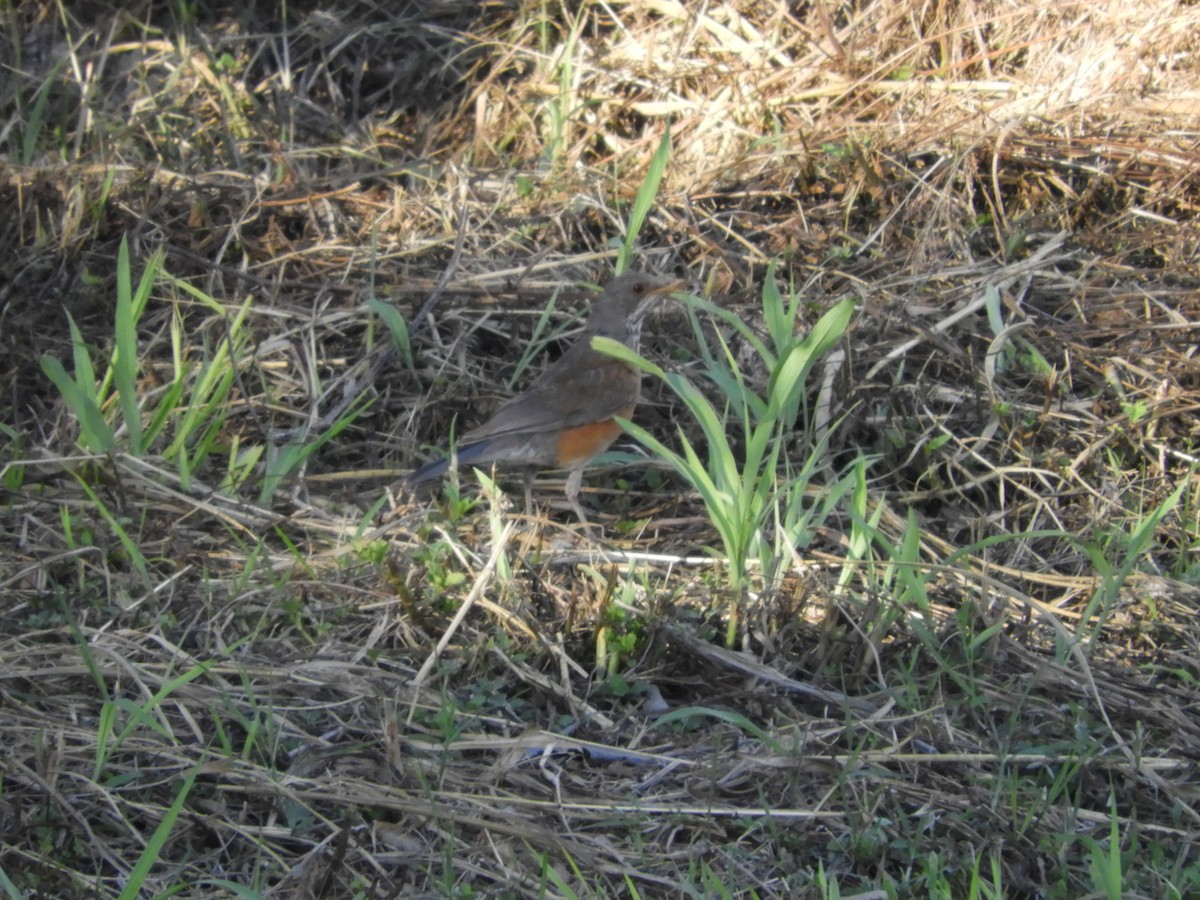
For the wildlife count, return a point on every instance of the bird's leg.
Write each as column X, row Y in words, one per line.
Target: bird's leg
column 574, row 483
column 528, row 479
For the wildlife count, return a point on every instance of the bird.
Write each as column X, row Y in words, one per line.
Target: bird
column 567, row 416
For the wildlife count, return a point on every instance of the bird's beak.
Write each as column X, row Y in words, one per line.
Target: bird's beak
column 654, row 294
column 676, row 284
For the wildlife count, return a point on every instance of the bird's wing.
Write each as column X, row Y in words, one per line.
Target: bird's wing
column 579, row 389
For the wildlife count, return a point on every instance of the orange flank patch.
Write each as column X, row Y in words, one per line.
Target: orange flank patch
column 576, row 445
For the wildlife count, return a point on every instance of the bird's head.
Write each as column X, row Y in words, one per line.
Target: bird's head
column 626, row 299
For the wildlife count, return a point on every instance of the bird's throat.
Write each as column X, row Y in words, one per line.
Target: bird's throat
column 633, row 335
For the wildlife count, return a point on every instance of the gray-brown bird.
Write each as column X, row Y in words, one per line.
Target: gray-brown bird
column 567, row 416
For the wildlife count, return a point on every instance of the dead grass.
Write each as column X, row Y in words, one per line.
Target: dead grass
column 980, row 682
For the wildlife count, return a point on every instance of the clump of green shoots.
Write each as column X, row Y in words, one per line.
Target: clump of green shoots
column 121, row 411
column 755, row 496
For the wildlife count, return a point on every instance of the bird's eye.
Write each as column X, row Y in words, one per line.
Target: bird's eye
column 639, row 287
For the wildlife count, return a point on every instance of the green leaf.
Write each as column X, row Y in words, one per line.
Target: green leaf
column 780, row 325
column 645, row 199
column 732, row 718
column 397, row 327
column 85, row 374
column 141, row 870
column 33, row 122
column 124, row 361
column 95, row 434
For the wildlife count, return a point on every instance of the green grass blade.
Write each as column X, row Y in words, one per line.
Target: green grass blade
column 692, row 470
column 136, row 558
column 171, row 400
column 95, row 434
column 831, row 326
column 617, row 350
column 291, row 456
column 208, row 405
column 85, row 373
column 33, row 123
column 70, row 616
column 141, row 870
column 787, row 383
column 722, row 715
column 105, row 729
column 10, row 890
column 645, row 199
column 125, row 360
column 200, row 296
column 150, row 273
column 734, row 321
column 397, row 327
column 780, row 317
column 537, row 343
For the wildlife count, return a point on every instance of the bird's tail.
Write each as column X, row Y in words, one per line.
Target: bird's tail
column 438, row 467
